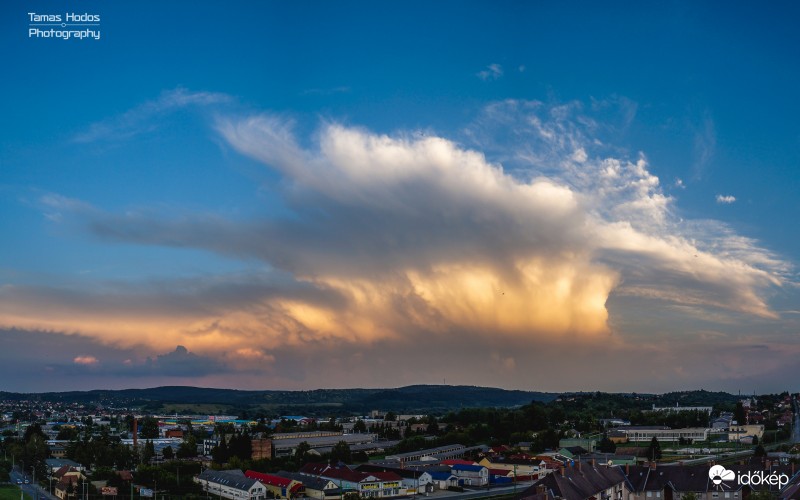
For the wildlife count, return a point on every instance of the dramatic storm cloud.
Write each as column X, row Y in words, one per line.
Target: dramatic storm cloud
column 384, row 241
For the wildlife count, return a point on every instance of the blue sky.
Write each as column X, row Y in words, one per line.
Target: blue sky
column 337, row 194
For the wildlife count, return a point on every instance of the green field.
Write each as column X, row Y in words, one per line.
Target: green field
column 10, row 492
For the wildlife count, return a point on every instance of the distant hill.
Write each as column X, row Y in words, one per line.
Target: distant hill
column 410, row 399
column 413, row 399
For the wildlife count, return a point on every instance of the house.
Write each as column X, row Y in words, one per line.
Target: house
column 418, row 480
column 68, row 482
column 672, row 482
column 231, row 484
column 743, row 433
column 174, row 433
column 617, row 436
column 366, row 484
column 444, row 480
column 53, row 464
column 314, row 486
column 471, row 475
column 277, row 486
column 581, row 482
column 528, row 467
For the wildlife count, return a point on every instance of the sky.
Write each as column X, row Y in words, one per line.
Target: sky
column 540, row 195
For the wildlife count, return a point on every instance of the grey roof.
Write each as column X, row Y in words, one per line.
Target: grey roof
column 443, row 450
column 310, row 482
column 57, row 463
column 231, row 478
column 578, row 483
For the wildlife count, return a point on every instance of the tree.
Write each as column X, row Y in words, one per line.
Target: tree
column 301, row 451
column 360, row 426
column 188, row 447
column 220, row 453
column 654, row 450
column 606, row 445
column 341, row 452
column 739, row 414
column 168, row 453
column 149, row 452
column 759, row 451
column 148, row 428
column 390, row 417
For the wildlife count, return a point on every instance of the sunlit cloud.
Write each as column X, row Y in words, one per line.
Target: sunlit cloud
column 522, row 230
column 85, row 360
column 725, row 199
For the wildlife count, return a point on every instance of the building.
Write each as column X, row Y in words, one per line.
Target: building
column 581, row 482
column 435, row 454
column 262, row 449
column 588, row 443
column 315, row 486
column 471, row 475
column 277, row 486
column 519, row 467
column 231, row 484
column 53, row 464
column 745, row 433
column 366, row 484
column 665, row 434
column 418, row 480
column 68, row 482
column 285, row 446
column 676, row 408
column 673, row 482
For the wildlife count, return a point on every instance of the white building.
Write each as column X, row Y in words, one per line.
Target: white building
column 231, row 484
column 665, row 434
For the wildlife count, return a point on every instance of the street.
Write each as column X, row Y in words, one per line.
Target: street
column 35, row 491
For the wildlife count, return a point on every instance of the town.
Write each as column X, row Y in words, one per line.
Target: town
column 577, row 446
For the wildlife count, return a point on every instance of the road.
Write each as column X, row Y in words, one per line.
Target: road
column 34, row 490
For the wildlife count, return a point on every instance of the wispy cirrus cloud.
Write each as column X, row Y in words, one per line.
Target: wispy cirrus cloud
column 144, row 118
column 705, row 145
column 725, row 199
column 492, row 72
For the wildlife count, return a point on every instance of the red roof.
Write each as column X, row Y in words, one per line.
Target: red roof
column 269, row 479
column 456, row 461
column 386, row 476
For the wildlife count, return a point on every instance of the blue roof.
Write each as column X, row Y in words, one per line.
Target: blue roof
column 470, row 468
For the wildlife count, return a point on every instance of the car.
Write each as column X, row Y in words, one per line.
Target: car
column 27, row 481
column 19, row 481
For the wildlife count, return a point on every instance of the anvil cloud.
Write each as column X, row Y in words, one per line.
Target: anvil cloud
column 386, row 240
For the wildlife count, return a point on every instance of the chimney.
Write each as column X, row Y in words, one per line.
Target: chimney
column 653, row 465
column 580, row 464
column 563, row 471
column 541, row 489
column 627, row 469
column 593, row 463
